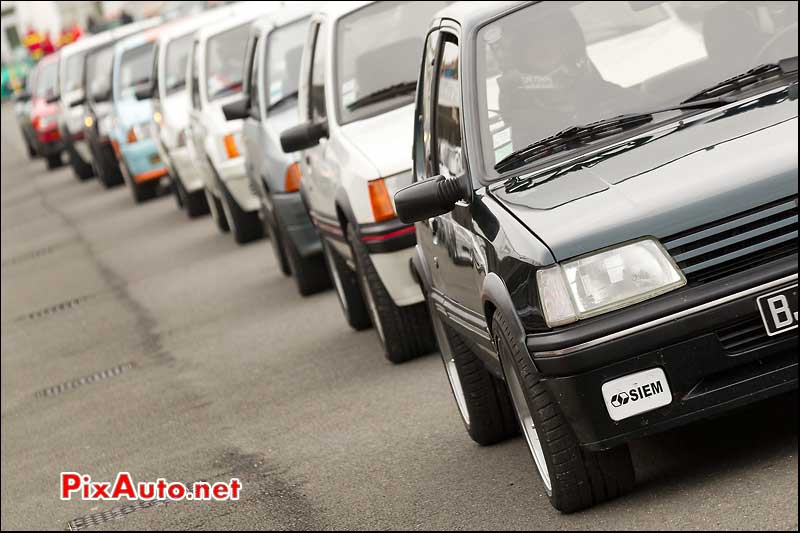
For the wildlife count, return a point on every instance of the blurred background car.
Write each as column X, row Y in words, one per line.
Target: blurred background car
column 269, row 106
column 171, row 105
column 215, row 77
column 97, row 85
column 45, row 112
column 133, row 131
column 22, row 109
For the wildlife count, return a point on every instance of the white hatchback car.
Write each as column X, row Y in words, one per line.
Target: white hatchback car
column 171, row 107
column 357, row 84
column 214, row 77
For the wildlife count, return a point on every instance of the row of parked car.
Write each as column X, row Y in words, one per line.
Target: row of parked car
column 590, row 208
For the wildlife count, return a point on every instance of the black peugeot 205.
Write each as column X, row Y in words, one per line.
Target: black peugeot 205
column 606, row 204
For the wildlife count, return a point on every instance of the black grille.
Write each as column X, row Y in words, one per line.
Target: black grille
column 744, row 336
column 737, row 243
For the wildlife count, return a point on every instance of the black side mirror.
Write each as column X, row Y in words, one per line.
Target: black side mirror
column 303, row 136
column 23, row 96
column 53, row 98
column 78, row 101
column 429, row 198
column 237, row 110
column 144, row 92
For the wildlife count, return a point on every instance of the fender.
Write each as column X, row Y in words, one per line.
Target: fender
column 420, row 272
column 342, row 202
column 494, row 295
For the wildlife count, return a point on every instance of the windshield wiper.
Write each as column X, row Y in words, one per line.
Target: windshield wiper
column 386, row 93
column 282, row 100
column 177, row 85
column 228, row 89
column 755, row 75
column 579, row 135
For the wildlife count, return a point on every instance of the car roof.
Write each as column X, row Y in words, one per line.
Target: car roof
column 337, row 10
column 242, row 13
column 285, row 16
column 470, row 15
column 85, row 43
column 193, row 23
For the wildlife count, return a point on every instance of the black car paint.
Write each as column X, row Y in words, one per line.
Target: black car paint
column 484, row 254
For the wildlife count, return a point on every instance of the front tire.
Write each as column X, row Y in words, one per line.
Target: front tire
column 246, row 226
column 217, row 212
column 54, row 161
column 482, row 399
column 310, row 273
column 144, row 191
column 347, row 289
column 574, row 478
column 278, row 247
column 404, row 331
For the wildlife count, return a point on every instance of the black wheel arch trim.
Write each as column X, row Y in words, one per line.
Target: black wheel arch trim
column 495, row 296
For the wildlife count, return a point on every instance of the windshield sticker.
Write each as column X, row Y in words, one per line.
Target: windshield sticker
column 349, row 90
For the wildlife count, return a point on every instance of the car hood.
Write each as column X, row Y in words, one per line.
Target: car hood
column 385, row 140
column 668, row 180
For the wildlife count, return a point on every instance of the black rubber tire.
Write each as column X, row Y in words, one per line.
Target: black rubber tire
column 144, row 191
column 217, row 212
column 347, row 289
column 310, row 273
column 407, row 330
column 177, row 191
column 195, row 203
column 54, row 161
column 110, row 175
column 29, row 147
column 246, row 226
column 491, row 415
column 80, row 168
column 278, row 247
column 579, row 478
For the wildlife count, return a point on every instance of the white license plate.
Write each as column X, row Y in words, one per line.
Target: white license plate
column 636, row 393
column 779, row 310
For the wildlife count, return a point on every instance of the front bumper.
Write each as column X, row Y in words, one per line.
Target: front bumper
column 143, row 160
column 185, row 168
column 706, row 339
column 290, row 211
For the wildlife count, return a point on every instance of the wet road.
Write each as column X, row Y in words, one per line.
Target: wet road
column 203, row 363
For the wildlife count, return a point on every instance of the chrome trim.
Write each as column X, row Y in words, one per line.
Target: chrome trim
column 668, row 318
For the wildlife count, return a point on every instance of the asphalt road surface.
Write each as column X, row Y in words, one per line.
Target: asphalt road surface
column 203, row 363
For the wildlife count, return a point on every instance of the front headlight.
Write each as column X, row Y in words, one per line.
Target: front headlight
column 606, row 281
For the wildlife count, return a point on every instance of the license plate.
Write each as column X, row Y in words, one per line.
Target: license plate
column 155, row 158
column 636, row 393
column 779, row 310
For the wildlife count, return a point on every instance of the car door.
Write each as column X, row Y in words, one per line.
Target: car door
column 455, row 255
column 318, row 181
column 196, row 137
column 253, row 124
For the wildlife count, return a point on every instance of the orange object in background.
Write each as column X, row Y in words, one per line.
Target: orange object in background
column 131, row 136
column 293, row 176
column 150, row 175
column 382, row 208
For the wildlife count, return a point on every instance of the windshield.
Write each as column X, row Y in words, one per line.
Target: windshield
column 47, row 80
column 378, row 47
column 73, row 72
column 135, row 69
column 284, row 50
column 98, row 70
column 597, row 60
column 225, row 62
column 176, row 57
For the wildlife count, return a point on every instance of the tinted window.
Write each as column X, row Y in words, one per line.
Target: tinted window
column 448, row 112
column 98, row 70
column 47, row 80
column 316, row 98
column 423, row 138
column 378, row 47
column 175, row 59
column 135, row 68
column 596, row 60
column 284, row 51
column 73, row 72
column 225, row 62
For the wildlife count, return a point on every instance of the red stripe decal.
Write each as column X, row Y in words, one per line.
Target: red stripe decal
column 387, row 236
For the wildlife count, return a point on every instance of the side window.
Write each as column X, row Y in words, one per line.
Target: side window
column 448, row 111
column 194, row 80
column 316, row 97
column 255, row 73
column 423, row 153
